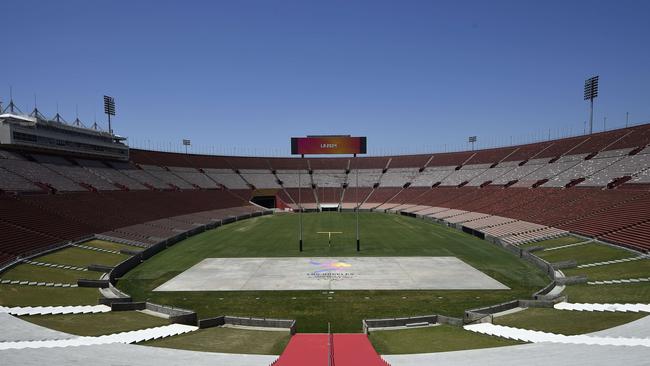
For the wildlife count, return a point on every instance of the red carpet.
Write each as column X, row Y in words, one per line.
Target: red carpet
column 305, row 350
column 355, row 350
column 311, row 350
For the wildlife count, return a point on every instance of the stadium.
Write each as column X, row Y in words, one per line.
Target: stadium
column 520, row 253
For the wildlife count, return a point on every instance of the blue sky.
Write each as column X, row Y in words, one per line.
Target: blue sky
column 244, row 76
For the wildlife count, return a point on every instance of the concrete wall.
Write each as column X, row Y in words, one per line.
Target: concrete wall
column 128, row 306
column 573, row 280
column 249, row 322
column 397, row 322
column 93, row 283
column 565, row 264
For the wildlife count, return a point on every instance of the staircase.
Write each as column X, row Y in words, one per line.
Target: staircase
column 330, row 350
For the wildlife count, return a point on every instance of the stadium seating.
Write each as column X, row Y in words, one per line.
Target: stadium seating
column 227, row 177
column 260, row 178
column 367, row 177
column 38, row 221
column 194, row 177
column 432, row 175
column 289, row 178
column 116, row 176
column 329, row 178
column 596, row 185
column 398, row 177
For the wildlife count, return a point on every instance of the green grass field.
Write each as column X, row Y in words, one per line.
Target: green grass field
column 227, row 340
column 564, row 321
column 603, row 294
column 381, row 235
column 97, row 324
column 102, row 244
column 82, row 257
column 29, row 272
column 585, row 254
column 557, row 242
column 625, row 270
column 17, row 295
column 21, row 295
column 441, row 338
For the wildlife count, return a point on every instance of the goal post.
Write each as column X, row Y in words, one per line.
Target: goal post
column 325, row 145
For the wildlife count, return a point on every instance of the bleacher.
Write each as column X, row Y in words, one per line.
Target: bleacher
column 289, row 178
column 261, row 178
column 228, row 178
column 135, row 173
column 397, row 177
column 328, row 178
column 464, row 174
column 39, row 221
column 367, row 177
column 167, row 176
column 595, row 185
column 194, row 177
column 431, row 175
column 40, row 174
column 114, row 176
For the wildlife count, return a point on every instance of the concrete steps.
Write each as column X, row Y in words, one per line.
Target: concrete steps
column 603, row 307
column 134, row 336
column 534, row 336
column 51, row 310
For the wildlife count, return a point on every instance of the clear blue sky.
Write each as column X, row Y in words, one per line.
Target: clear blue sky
column 410, row 75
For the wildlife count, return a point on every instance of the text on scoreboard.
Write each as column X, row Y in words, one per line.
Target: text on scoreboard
column 328, row 145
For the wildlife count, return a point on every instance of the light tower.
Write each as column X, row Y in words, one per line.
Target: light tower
column 591, row 92
column 472, row 140
column 109, row 109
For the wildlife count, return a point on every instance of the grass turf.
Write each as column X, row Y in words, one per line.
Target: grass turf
column 227, row 340
column 102, row 244
column 585, row 254
column 441, row 338
column 565, row 321
column 603, row 294
column 381, row 235
column 97, row 324
column 29, row 272
column 625, row 270
column 557, row 242
column 82, row 257
column 17, row 295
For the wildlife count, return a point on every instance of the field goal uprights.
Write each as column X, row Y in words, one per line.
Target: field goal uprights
column 328, row 144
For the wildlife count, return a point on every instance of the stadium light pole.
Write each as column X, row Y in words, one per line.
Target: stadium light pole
column 356, row 198
column 591, row 92
column 109, row 109
column 472, row 140
column 186, row 143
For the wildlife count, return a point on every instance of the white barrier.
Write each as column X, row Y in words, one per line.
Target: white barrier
column 534, row 336
column 46, row 310
column 124, row 337
column 603, row 307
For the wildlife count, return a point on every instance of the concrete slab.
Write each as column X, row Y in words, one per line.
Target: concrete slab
column 13, row 329
column 356, row 273
column 529, row 354
column 126, row 354
column 639, row 328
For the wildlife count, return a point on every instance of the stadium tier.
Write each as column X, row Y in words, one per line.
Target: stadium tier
column 593, row 185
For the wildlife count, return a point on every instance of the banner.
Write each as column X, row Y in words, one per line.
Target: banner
column 314, row 145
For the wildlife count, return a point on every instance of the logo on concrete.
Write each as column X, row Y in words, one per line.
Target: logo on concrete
column 331, row 266
column 330, row 270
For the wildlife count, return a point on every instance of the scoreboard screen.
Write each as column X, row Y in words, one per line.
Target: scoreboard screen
column 315, row 145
